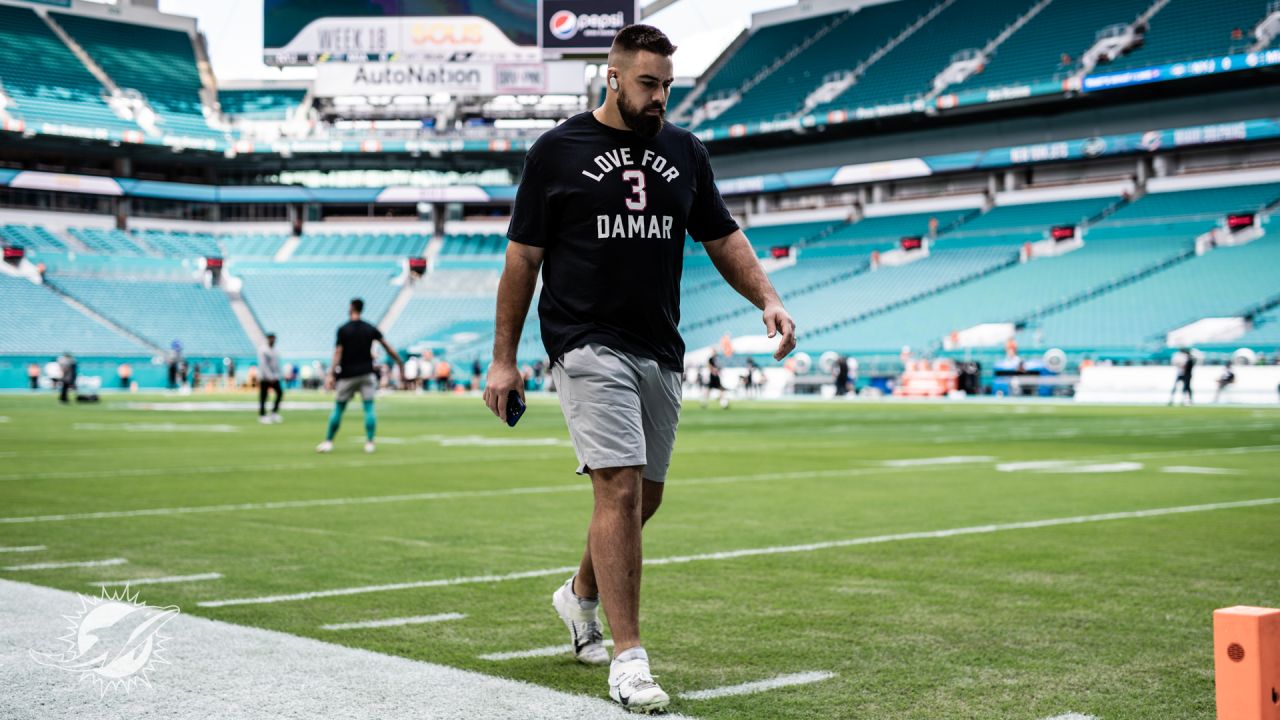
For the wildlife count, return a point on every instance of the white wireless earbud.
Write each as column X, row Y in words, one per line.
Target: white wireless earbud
column 613, row 83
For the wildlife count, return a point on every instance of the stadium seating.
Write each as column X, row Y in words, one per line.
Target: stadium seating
column 1266, row 330
column 31, row 237
column 1225, row 282
column 45, row 81
column 1187, row 29
column 782, row 93
column 764, row 46
column 882, row 232
column 246, row 245
column 157, row 62
column 181, row 244
column 162, row 312
column 474, row 244
column 107, row 242
column 1036, row 51
column 829, row 313
column 261, row 103
column 437, row 320
column 306, row 302
column 766, row 236
column 907, row 71
column 37, row 321
column 364, row 245
column 1029, row 222
column 714, row 309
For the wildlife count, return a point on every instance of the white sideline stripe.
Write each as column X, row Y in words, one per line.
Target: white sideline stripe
column 309, row 465
column 948, row 460
column 60, row 565
column 158, row 581
column 444, row 582
column 392, row 622
column 1073, row 716
column 219, row 670
column 1193, row 470
column 446, row 495
column 549, row 651
column 749, row 552
column 22, row 548
column 156, row 427
column 804, row 678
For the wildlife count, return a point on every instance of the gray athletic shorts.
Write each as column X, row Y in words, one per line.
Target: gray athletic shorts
column 366, row 385
column 622, row 410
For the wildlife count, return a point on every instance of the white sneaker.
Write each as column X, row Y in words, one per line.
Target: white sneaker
column 324, row 447
column 369, row 447
column 584, row 626
column 632, row 686
column 264, row 420
column 275, row 418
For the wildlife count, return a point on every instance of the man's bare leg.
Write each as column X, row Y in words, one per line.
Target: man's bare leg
column 584, row 583
column 614, row 546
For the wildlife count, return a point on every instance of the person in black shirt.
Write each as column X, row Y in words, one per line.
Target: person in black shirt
column 352, row 371
column 602, row 210
column 1188, row 363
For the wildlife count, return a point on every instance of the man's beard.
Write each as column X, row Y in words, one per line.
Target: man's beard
column 636, row 118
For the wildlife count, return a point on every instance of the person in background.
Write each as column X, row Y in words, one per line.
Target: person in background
column 475, row 374
column 1225, row 380
column 125, row 372
column 1185, row 361
column 69, row 369
column 195, row 376
column 33, row 375
column 352, row 372
column 412, row 372
column 269, row 379
column 53, row 371
column 443, row 374
column 841, row 369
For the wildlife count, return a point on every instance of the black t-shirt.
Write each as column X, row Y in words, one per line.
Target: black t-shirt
column 357, row 338
column 611, row 209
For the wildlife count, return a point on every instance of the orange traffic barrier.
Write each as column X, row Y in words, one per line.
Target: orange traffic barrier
column 1246, row 660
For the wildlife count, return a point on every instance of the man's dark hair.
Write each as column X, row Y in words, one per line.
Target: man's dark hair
column 643, row 37
column 357, row 305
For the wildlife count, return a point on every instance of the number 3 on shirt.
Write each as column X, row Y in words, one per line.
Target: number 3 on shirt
column 640, row 201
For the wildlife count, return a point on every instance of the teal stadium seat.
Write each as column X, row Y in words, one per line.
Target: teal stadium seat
column 261, row 103
column 157, row 62
column 1036, row 50
column 161, row 312
column 306, row 302
column 46, row 82
column 36, row 321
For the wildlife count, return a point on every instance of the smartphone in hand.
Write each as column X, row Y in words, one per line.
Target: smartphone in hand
column 515, row 408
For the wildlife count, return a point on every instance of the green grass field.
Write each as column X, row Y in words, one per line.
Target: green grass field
column 1110, row 618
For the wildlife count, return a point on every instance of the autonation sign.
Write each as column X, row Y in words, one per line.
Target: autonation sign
column 582, row 26
column 481, row 79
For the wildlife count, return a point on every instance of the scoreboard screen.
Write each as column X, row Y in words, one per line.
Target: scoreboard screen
column 285, row 22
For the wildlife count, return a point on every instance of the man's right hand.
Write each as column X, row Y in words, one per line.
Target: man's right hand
column 329, row 383
column 503, row 378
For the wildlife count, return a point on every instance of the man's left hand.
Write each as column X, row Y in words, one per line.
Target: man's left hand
column 776, row 320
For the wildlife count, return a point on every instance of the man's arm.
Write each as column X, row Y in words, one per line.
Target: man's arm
column 394, row 355
column 515, row 292
column 330, row 378
column 737, row 263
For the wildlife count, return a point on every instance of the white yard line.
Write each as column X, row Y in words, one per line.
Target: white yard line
column 394, row 622
column 1072, row 716
column 417, row 497
column 22, row 548
column 264, row 467
column 948, row 460
column 750, row 552
column 1192, row 470
column 61, row 565
column 219, row 670
column 804, row 678
column 158, row 580
column 549, row 651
